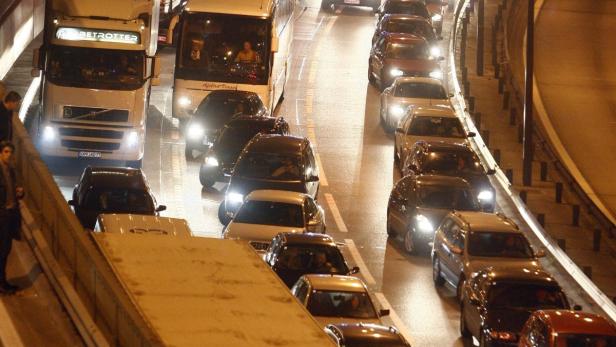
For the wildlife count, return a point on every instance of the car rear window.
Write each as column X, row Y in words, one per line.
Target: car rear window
column 410, row 8
column 528, row 296
column 271, row 213
column 420, row 91
column 499, row 244
column 436, row 127
column 418, row 28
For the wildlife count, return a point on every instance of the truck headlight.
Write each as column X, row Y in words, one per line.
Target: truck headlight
column 437, row 17
column 235, row 198
column 485, row 195
column 396, row 110
column 394, row 72
column 132, row 138
column 184, row 101
column 438, row 74
column 211, row 161
column 49, row 133
column 423, row 224
column 195, row 131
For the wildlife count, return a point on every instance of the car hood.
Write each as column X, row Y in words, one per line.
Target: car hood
column 413, row 65
column 417, row 102
column 475, row 264
column 337, row 320
column 411, row 139
column 511, row 320
column 245, row 185
column 257, row 232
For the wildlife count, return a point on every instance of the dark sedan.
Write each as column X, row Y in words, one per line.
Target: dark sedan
column 292, row 255
column 221, row 158
column 409, row 7
column 452, row 160
column 112, row 190
column 216, row 110
column 365, row 334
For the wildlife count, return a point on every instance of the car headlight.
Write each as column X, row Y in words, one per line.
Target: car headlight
column 485, row 195
column 503, row 335
column 184, row 101
column 435, row 52
column 423, row 224
column 49, row 133
column 235, row 198
column 195, row 131
column 396, row 111
column 132, row 139
column 438, row 74
column 211, row 161
column 437, row 17
column 396, row 72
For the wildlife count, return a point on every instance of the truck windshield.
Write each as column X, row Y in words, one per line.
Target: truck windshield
column 224, row 48
column 96, row 68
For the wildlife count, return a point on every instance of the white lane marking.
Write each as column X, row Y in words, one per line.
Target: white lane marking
column 8, row 333
column 29, row 97
column 370, row 281
column 380, row 297
column 336, row 212
column 301, row 69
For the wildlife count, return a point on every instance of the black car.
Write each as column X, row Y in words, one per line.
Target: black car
column 363, row 334
column 216, row 110
column 220, row 159
column 292, row 255
column 458, row 160
column 278, row 162
column 497, row 301
column 418, row 204
column 329, row 4
column 112, row 190
column 409, row 7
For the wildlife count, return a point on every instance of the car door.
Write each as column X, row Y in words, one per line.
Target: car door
column 405, row 145
column 311, row 172
column 441, row 250
column 479, row 288
column 378, row 57
column 398, row 202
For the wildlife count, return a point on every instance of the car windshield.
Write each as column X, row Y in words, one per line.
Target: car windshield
column 224, row 48
column 236, row 136
column 420, row 91
column 95, row 68
column 217, row 109
column 272, row 166
column 443, row 197
column 499, row 244
column 437, row 127
column 270, row 213
column 341, row 304
column 409, row 51
column 585, row 340
column 452, row 162
column 525, row 296
column 318, row 259
column 419, row 28
column 119, row 201
column 410, row 8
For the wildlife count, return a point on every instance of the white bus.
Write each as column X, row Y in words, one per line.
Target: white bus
column 234, row 45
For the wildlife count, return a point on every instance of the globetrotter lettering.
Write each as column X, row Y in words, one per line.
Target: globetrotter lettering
column 80, row 34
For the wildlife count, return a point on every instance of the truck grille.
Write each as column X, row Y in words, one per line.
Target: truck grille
column 89, row 145
column 99, row 133
column 94, row 114
column 259, row 246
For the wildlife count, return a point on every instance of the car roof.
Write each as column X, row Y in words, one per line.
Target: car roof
column 519, row 274
column 275, row 143
column 284, row 196
column 308, row 238
column 367, row 332
column 426, row 80
column 439, row 180
column 430, row 111
column 404, row 17
column 481, row 221
column 440, row 146
column 116, row 177
column 567, row 321
column 336, row 282
column 402, row 37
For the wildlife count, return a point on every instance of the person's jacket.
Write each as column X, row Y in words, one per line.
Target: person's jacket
column 6, row 123
column 15, row 221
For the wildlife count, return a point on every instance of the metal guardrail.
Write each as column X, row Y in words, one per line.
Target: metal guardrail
column 6, row 7
column 73, row 249
column 602, row 302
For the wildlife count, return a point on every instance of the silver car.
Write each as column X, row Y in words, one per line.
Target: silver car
column 432, row 123
column 408, row 92
column 467, row 242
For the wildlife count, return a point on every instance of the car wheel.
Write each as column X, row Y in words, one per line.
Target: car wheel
column 410, row 245
column 222, row 214
column 460, row 287
column 464, row 332
column 390, row 230
column 206, row 182
column 437, row 277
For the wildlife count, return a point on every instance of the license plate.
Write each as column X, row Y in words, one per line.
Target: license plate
column 85, row 154
column 352, row 2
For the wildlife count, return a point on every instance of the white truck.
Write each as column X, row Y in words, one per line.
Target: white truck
column 197, row 291
column 98, row 65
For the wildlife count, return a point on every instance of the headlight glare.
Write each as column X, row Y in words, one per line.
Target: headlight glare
column 195, row 131
column 211, row 161
column 437, row 17
column 423, row 224
column 485, row 195
column 235, row 198
column 438, row 74
column 394, row 72
column 396, row 111
column 49, row 133
column 435, row 52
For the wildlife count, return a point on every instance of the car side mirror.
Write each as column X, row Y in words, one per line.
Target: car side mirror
column 540, row 253
column 577, row 307
column 491, row 172
column 161, row 208
column 471, row 134
column 450, row 95
column 384, row 312
column 354, row 270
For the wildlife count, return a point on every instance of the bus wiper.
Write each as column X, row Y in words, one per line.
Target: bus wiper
column 92, row 114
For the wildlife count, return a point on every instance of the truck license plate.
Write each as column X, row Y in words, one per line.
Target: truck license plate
column 86, row 154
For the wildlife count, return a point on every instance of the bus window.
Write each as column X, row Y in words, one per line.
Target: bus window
column 224, row 48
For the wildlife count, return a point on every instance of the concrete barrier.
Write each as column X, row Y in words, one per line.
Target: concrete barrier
column 20, row 22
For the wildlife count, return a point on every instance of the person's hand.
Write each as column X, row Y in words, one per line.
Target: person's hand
column 19, row 191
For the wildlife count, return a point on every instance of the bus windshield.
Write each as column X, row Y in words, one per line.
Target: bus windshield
column 224, row 48
column 96, row 68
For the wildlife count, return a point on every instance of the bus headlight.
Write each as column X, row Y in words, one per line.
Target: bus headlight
column 184, row 101
column 438, row 74
column 132, row 139
column 49, row 133
column 195, row 131
column 423, row 224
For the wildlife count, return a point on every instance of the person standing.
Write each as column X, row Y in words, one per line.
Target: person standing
column 10, row 217
column 10, row 105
